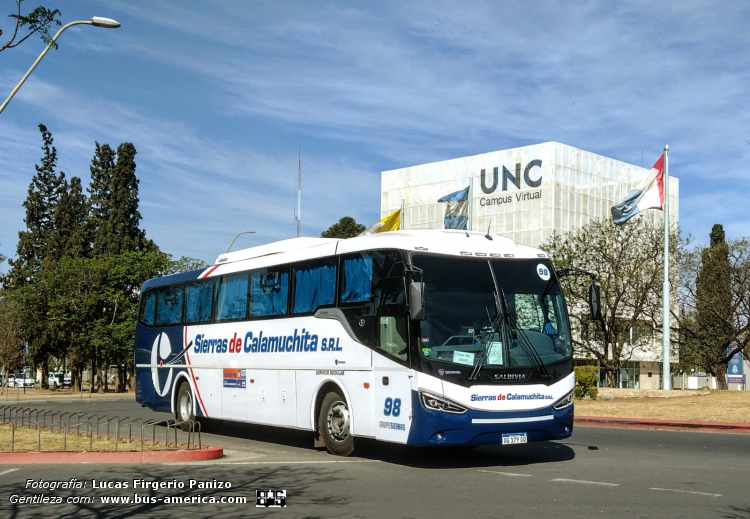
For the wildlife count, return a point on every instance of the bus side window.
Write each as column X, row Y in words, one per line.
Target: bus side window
column 198, row 301
column 268, row 292
column 314, row 285
column 148, row 307
column 169, row 305
column 231, row 299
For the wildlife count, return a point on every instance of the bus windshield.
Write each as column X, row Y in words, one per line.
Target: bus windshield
column 462, row 304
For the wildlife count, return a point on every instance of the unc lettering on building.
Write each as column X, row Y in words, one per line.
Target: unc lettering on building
column 514, row 179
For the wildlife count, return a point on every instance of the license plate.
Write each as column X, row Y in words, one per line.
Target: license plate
column 510, row 439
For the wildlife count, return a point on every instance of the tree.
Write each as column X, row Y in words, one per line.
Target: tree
column 11, row 351
column 40, row 20
column 715, row 298
column 36, row 252
column 186, row 264
column 124, row 233
column 627, row 261
column 114, row 219
column 100, row 194
column 347, row 227
column 69, row 236
column 41, row 203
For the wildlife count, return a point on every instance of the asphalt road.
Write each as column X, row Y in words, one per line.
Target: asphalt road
column 598, row 472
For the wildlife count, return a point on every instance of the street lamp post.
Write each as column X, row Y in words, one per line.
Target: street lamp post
column 95, row 21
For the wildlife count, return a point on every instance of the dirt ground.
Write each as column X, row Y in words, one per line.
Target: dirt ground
column 713, row 406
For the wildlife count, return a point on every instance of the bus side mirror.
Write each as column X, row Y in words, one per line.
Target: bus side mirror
column 595, row 306
column 417, row 309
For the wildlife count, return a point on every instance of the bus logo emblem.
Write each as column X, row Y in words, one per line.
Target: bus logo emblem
column 161, row 348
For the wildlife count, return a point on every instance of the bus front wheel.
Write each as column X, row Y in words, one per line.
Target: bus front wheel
column 183, row 409
column 334, row 424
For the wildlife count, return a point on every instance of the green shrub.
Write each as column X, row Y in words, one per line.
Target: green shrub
column 586, row 378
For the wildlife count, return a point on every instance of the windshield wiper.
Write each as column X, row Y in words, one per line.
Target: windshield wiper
column 526, row 342
column 482, row 358
column 501, row 312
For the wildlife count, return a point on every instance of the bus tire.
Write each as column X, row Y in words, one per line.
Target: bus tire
column 334, row 424
column 183, row 407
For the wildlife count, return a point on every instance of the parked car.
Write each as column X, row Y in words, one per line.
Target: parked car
column 58, row 379
column 20, row 380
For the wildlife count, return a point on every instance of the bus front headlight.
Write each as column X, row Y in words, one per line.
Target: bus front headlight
column 564, row 402
column 438, row 403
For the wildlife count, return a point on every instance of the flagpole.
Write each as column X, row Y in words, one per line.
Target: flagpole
column 471, row 192
column 665, row 287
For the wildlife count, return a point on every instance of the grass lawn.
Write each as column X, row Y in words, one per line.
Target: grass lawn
column 713, row 406
column 26, row 441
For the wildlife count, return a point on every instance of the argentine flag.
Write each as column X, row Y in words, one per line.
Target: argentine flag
column 649, row 195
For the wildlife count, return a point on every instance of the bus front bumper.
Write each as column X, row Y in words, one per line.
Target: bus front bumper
column 435, row 428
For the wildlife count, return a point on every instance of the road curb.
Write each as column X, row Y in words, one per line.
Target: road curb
column 644, row 423
column 207, row 453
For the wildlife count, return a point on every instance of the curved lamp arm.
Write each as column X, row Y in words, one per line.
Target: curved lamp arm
column 95, row 21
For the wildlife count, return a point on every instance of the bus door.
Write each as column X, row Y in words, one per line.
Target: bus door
column 392, row 380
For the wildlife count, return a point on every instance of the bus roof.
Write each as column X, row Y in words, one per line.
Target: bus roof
column 440, row 241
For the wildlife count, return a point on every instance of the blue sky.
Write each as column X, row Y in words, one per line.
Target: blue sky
column 217, row 97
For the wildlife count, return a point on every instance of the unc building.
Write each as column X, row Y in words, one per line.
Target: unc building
column 527, row 194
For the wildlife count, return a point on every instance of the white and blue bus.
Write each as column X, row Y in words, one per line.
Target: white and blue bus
column 419, row 337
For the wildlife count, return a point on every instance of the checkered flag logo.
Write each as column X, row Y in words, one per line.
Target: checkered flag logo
column 270, row 498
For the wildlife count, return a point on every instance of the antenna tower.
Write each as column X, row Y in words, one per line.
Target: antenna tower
column 298, row 215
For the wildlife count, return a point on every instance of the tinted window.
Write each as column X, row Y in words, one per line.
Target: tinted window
column 169, row 306
column 268, row 292
column 148, row 307
column 364, row 275
column 198, row 301
column 373, row 300
column 314, row 285
column 231, row 300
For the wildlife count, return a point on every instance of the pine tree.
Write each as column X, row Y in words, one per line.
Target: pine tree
column 714, row 311
column 114, row 219
column 70, row 237
column 123, row 231
column 44, row 193
column 347, row 227
column 100, row 195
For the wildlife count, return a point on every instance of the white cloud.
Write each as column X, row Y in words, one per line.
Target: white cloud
column 366, row 88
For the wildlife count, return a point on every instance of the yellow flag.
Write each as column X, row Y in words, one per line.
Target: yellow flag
column 392, row 222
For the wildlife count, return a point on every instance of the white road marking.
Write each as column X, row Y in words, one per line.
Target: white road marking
column 512, row 474
column 269, row 462
column 296, row 462
column 582, row 482
column 686, row 492
column 7, row 471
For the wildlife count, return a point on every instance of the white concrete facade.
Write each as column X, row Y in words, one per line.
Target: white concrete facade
column 540, row 189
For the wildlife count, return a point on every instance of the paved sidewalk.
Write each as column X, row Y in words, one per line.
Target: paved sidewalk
column 645, row 423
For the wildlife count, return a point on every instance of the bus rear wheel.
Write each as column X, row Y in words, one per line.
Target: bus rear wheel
column 183, row 409
column 334, row 424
